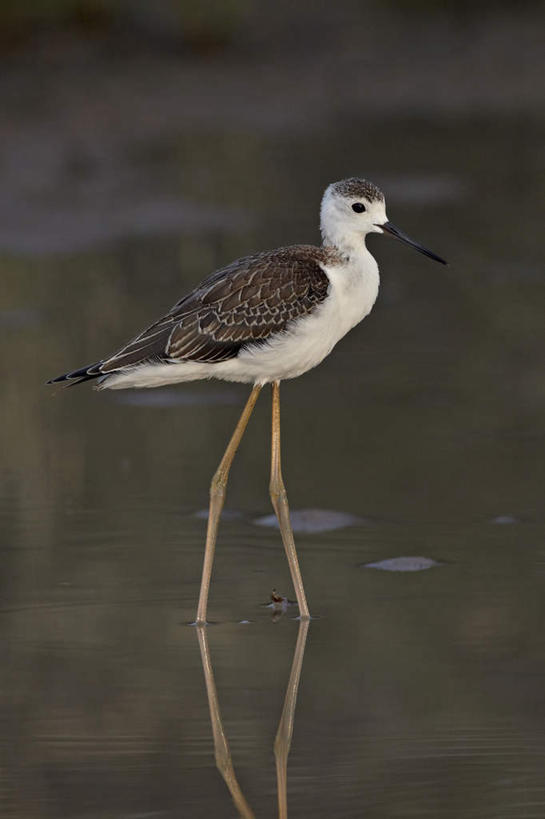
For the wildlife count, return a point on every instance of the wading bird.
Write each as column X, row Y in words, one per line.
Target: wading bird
column 261, row 319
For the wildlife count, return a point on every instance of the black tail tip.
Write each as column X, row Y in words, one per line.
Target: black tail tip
column 77, row 376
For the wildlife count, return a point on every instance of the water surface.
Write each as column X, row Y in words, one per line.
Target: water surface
column 421, row 693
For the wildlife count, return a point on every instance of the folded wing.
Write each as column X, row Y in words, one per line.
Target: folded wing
column 240, row 305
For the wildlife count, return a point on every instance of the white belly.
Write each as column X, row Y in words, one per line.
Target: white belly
column 352, row 292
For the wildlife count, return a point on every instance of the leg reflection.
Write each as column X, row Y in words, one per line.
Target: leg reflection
column 221, row 746
column 282, row 742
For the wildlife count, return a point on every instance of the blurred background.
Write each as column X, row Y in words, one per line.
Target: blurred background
column 142, row 145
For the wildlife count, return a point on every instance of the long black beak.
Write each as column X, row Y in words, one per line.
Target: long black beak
column 394, row 231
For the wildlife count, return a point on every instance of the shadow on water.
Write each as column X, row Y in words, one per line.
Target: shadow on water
column 282, row 742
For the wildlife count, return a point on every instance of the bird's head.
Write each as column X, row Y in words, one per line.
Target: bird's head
column 351, row 209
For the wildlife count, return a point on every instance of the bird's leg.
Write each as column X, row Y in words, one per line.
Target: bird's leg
column 279, row 500
column 217, row 498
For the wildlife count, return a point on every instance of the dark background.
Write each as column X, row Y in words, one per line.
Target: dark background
column 141, row 146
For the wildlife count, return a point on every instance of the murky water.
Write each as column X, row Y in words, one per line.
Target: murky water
column 421, row 692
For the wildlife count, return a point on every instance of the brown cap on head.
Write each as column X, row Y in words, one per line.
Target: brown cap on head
column 358, row 187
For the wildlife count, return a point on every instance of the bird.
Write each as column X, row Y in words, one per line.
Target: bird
column 263, row 319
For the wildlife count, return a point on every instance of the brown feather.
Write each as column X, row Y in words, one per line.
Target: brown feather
column 244, row 303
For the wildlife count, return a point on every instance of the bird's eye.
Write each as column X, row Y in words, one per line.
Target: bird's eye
column 358, row 207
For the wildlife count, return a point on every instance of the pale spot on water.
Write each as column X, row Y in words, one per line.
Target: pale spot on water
column 504, row 519
column 176, row 398
column 403, row 564
column 313, row 520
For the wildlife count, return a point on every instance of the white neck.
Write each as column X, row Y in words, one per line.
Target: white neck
column 349, row 245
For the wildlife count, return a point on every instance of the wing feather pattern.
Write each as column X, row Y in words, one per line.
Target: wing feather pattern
column 244, row 303
column 240, row 305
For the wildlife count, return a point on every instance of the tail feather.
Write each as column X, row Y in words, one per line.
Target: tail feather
column 77, row 376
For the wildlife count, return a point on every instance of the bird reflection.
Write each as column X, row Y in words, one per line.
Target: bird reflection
column 222, row 751
column 282, row 742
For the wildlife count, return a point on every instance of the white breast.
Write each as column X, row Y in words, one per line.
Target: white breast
column 352, row 292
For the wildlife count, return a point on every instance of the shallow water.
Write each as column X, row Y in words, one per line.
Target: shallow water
column 421, row 692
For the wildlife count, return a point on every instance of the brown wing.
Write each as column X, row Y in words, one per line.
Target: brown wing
column 242, row 304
